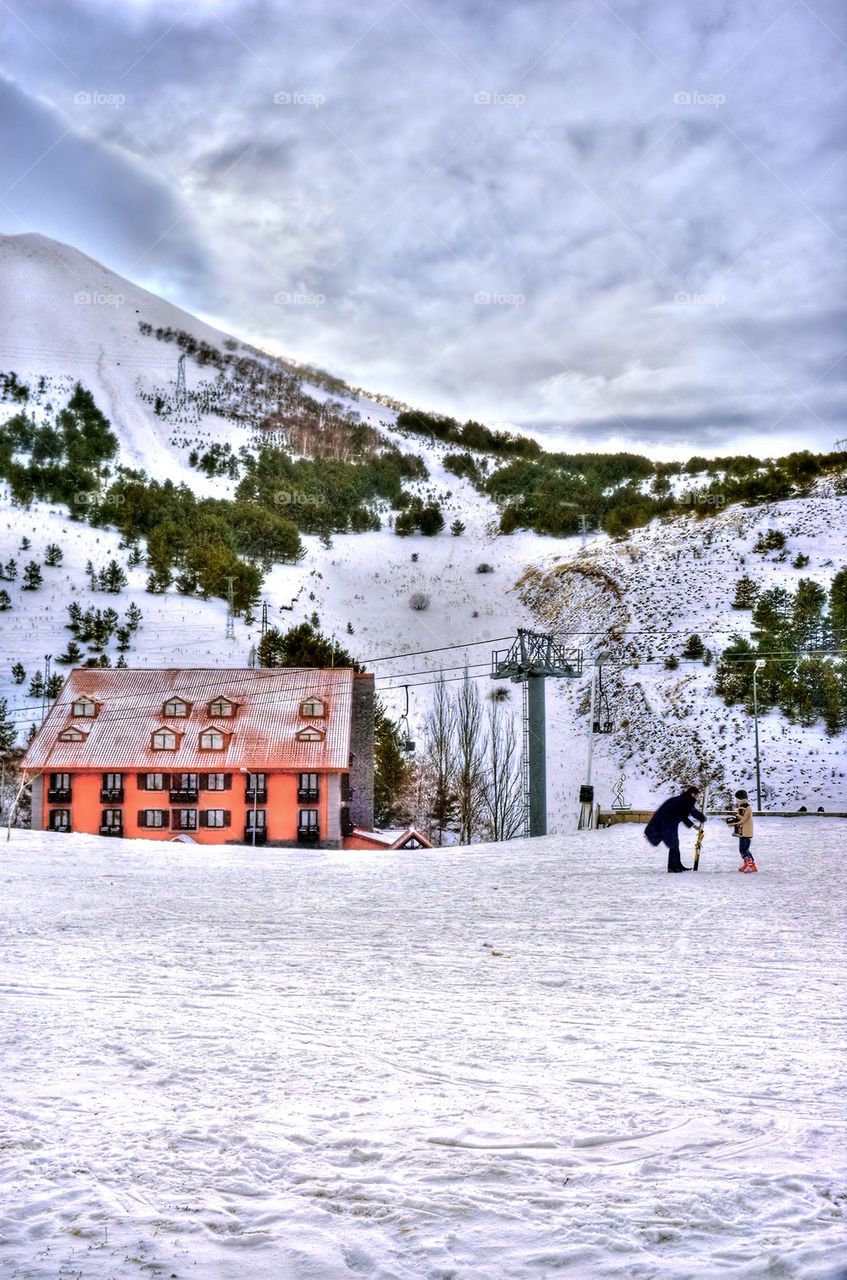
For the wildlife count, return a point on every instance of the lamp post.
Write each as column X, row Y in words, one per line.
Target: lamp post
column 756, row 667
column 255, row 798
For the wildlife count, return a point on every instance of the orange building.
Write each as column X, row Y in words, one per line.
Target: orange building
column 279, row 756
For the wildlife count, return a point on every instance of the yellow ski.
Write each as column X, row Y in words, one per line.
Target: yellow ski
column 700, row 831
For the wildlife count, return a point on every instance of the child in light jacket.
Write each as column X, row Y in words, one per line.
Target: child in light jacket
column 741, row 823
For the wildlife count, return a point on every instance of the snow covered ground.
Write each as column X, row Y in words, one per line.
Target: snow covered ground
column 538, row 1059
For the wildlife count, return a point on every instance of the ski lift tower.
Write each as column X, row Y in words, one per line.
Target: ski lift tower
column 530, row 660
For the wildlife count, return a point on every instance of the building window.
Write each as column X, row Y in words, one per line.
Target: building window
column 221, row 707
column 260, row 818
column 111, row 821
column 154, row 781
column 112, row 789
column 215, row 818
column 84, row 707
column 309, row 734
column 216, row 781
column 307, row 827
column 72, row 734
column 60, row 820
column 257, row 786
column 184, row 786
column 183, row 819
column 153, row 818
column 176, row 707
column 313, row 706
column 163, row 740
column 59, row 789
column 212, row 740
column 307, row 788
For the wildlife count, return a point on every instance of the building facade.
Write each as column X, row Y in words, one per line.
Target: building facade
column 279, row 756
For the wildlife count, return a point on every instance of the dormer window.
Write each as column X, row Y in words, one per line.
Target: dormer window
column 310, row 734
column 222, row 708
column 72, row 734
column 176, row 708
column 314, row 707
column 164, row 740
column 212, row 740
column 84, row 707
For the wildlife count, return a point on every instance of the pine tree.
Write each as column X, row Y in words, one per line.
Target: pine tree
column 694, row 647
column 302, row 646
column 123, row 635
column 53, row 554
column 159, row 581
column 134, row 556
column 71, row 656
column 838, row 607
column 93, row 579
column 54, row 684
column 391, row 770
column 36, row 686
column 133, row 617
column 745, row 593
column 18, row 673
column 8, row 730
column 32, row 577
column 457, row 528
column 5, row 601
column 25, row 544
column 113, row 578
column 75, row 617
column 10, row 571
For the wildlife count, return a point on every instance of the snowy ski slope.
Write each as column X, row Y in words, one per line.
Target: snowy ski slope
column 545, row 1058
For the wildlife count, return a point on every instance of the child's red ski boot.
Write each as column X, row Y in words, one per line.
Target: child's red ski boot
column 749, row 865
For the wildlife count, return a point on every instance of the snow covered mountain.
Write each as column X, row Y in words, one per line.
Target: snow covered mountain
column 637, row 599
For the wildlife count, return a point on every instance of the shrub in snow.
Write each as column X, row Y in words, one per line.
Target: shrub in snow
column 419, row 601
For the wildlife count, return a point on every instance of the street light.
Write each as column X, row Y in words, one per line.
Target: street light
column 255, row 798
column 756, row 667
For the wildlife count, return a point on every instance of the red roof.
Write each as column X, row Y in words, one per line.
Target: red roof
column 261, row 735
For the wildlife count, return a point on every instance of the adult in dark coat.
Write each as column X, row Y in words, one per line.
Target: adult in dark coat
column 663, row 827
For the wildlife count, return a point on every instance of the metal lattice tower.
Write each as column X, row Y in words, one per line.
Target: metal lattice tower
column 179, row 395
column 531, row 659
column 230, row 610
column 264, row 627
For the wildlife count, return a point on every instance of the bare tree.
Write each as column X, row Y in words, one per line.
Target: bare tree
column 470, row 759
column 502, row 792
column 438, row 769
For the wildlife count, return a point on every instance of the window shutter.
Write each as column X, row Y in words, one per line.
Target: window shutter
column 204, row 818
column 141, row 781
column 166, row 781
column 227, row 818
column 204, row 782
column 227, row 783
column 142, row 816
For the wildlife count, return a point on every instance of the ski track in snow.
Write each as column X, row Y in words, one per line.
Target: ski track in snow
column 546, row 1058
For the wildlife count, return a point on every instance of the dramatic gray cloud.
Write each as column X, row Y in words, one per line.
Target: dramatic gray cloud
column 611, row 224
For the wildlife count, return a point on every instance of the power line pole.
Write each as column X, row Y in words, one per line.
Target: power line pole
column 230, row 610
column 264, row 625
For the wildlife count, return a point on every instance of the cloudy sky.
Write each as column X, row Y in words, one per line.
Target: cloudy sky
column 610, row 224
